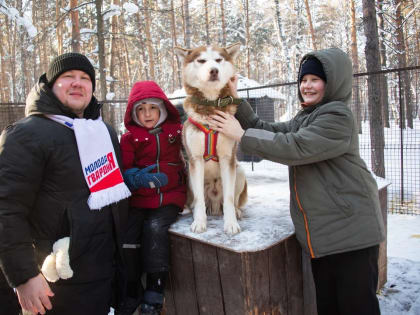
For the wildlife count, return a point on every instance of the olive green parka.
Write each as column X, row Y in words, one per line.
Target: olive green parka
column 334, row 200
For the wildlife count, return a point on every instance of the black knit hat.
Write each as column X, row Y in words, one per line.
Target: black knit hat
column 312, row 66
column 70, row 61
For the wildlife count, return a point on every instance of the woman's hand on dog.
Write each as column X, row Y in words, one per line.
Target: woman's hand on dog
column 233, row 86
column 226, row 124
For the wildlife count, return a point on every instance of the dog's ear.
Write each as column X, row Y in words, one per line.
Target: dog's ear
column 233, row 50
column 182, row 52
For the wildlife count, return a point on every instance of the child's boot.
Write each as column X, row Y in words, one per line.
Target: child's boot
column 153, row 296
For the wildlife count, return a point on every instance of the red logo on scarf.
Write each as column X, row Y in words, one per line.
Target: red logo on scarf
column 103, row 173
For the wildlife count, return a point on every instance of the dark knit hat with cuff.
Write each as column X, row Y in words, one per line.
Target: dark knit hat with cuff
column 67, row 62
column 312, row 66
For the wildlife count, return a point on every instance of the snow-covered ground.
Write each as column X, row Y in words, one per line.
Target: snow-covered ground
column 401, row 294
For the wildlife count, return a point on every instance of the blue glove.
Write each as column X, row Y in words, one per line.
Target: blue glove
column 136, row 178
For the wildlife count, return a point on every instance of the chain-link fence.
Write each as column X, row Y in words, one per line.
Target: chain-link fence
column 389, row 136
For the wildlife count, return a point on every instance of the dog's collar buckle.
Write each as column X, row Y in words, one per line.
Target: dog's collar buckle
column 221, row 102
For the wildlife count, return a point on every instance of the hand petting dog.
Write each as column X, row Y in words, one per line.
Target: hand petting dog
column 226, row 124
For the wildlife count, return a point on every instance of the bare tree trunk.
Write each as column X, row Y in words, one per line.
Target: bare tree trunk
column 384, row 82
column 177, row 69
column 128, row 82
column 23, row 52
column 187, row 24
column 12, row 53
column 374, row 88
column 285, row 66
column 4, row 91
column 416, row 61
column 75, row 29
column 149, row 43
column 114, row 56
column 355, row 59
column 101, row 51
column 298, row 40
column 143, row 58
column 402, row 63
column 417, row 46
column 125, row 73
column 248, row 53
column 59, row 27
column 35, row 70
column 43, row 52
column 311, row 28
column 222, row 13
column 206, row 14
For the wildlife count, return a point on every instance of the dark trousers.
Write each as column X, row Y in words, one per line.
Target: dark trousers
column 147, row 248
column 9, row 303
column 346, row 283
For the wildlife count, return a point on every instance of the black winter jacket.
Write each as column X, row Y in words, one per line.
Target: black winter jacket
column 43, row 197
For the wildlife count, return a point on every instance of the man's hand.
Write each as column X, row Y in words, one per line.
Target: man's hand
column 226, row 124
column 34, row 295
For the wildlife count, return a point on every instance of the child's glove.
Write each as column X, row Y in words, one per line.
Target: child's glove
column 136, row 178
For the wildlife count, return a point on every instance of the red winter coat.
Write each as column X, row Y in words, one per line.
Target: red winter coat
column 139, row 148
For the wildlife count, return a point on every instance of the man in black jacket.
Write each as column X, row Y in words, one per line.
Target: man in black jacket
column 45, row 195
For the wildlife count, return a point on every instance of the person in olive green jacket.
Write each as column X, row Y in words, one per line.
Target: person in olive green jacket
column 334, row 200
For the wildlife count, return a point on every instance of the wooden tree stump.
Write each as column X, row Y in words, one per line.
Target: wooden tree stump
column 261, row 270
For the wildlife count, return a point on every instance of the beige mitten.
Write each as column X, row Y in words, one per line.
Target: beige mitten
column 62, row 259
column 49, row 269
column 57, row 264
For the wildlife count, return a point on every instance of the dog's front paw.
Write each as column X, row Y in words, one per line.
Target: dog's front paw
column 199, row 226
column 232, row 227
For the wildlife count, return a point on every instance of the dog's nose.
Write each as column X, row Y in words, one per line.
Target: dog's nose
column 214, row 73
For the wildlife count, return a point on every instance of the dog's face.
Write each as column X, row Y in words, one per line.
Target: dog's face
column 208, row 68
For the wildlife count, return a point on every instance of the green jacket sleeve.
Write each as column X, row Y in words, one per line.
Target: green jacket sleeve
column 248, row 119
column 326, row 134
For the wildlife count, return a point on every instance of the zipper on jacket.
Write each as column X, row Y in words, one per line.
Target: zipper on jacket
column 158, row 166
column 308, row 235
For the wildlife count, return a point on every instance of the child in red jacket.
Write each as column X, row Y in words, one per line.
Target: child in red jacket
column 154, row 171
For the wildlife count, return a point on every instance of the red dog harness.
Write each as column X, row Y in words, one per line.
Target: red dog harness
column 211, row 141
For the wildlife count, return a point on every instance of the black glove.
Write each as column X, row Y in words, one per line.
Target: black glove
column 136, row 178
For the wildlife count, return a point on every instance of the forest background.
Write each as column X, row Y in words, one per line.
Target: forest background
column 133, row 40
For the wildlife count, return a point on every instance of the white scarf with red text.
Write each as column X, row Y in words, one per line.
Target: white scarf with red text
column 99, row 162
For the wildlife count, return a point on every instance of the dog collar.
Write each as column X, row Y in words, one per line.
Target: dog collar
column 220, row 102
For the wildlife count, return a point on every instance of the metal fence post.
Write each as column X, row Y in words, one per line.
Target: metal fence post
column 402, row 116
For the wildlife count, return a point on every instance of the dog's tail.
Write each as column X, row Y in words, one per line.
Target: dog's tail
column 243, row 197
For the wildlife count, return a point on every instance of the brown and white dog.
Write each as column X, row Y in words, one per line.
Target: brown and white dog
column 216, row 180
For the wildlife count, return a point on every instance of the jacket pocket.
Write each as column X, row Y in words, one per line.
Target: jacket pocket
column 175, row 173
column 342, row 204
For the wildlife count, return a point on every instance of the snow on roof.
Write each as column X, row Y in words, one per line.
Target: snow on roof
column 246, row 83
column 243, row 83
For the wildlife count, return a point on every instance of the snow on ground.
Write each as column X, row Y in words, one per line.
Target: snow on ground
column 401, row 293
